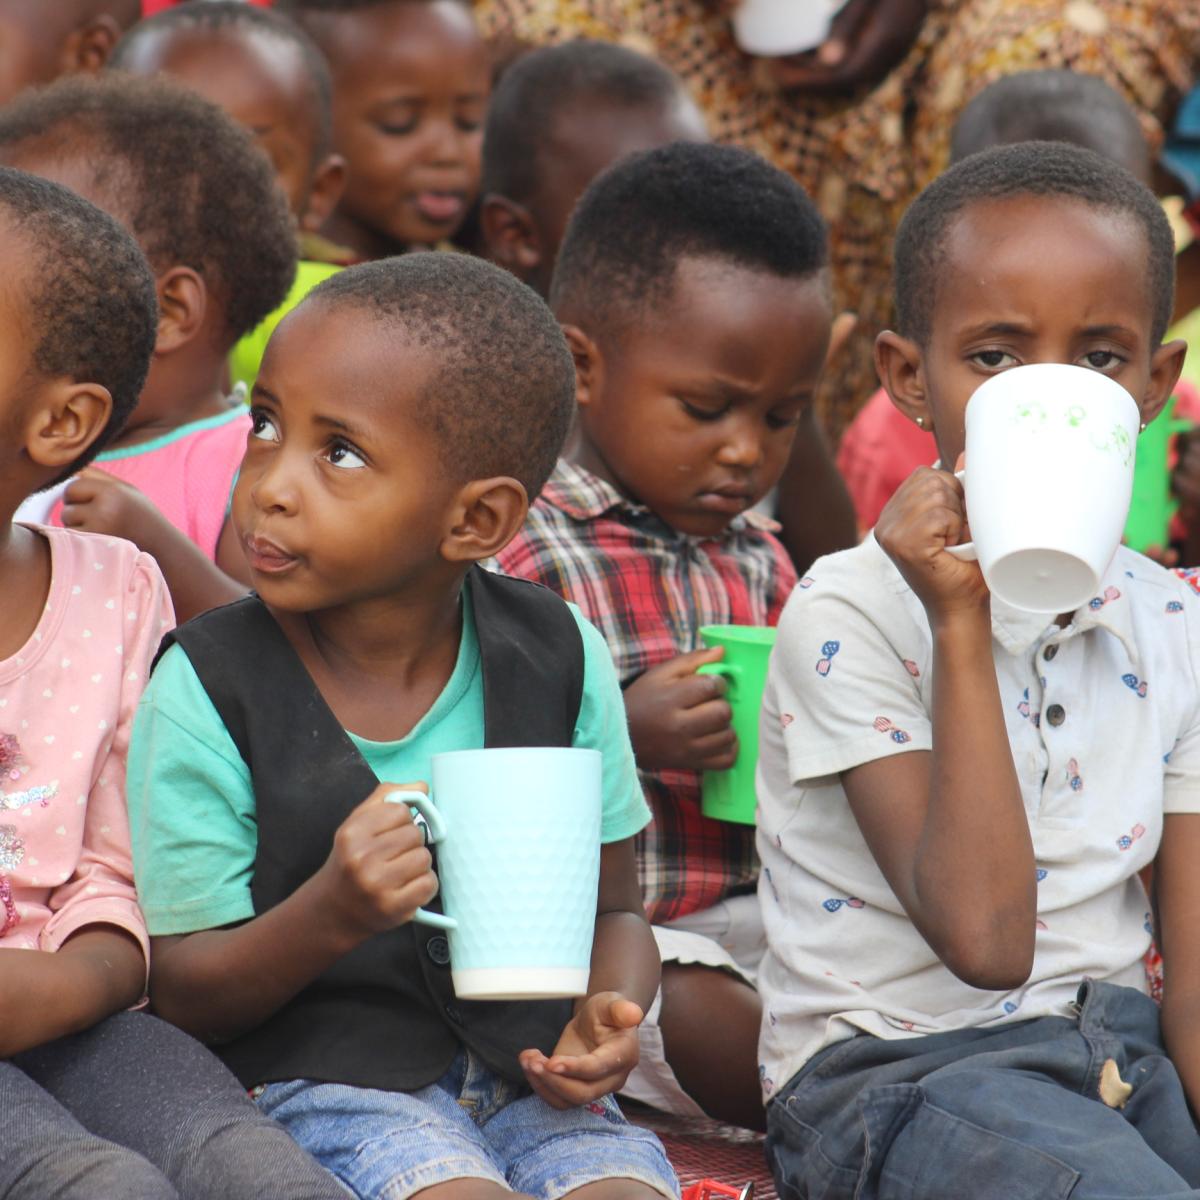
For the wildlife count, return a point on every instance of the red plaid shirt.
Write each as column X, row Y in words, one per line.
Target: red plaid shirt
column 649, row 588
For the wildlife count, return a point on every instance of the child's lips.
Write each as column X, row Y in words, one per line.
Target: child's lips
column 727, row 499
column 267, row 558
column 440, row 208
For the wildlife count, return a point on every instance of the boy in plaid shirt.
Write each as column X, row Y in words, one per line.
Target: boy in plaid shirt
column 693, row 288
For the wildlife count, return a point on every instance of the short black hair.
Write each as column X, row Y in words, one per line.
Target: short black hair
column 503, row 394
column 641, row 217
column 1052, row 105
column 185, row 179
column 90, row 295
column 541, row 85
column 237, row 16
column 1050, row 169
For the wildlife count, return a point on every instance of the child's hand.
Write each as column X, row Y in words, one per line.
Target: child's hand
column 678, row 719
column 924, row 517
column 378, row 872
column 594, row 1056
column 100, row 503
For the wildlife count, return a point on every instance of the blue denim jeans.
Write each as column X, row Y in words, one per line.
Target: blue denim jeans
column 469, row 1125
column 1011, row 1113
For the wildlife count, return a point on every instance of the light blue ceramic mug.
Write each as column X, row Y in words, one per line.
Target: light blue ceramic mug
column 518, row 861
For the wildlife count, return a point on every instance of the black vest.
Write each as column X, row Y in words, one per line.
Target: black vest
column 384, row 1016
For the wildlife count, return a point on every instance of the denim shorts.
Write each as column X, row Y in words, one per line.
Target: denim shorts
column 470, row 1124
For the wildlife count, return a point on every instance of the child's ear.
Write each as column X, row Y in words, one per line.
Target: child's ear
column 182, row 307
column 88, row 47
column 1165, row 365
column 65, row 422
column 509, row 236
column 328, row 184
column 489, row 514
column 898, row 363
column 589, row 365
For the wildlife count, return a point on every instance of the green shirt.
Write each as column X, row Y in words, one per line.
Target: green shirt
column 191, row 802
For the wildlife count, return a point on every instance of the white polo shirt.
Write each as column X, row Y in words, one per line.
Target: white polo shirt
column 1104, row 722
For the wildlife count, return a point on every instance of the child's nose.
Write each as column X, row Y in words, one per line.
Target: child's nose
column 273, row 490
column 742, row 447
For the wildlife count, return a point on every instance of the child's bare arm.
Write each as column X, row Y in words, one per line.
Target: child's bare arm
column 1177, row 892
column 98, row 971
column 948, row 828
column 599, row 1047
column 219, row 983
column 99, row 503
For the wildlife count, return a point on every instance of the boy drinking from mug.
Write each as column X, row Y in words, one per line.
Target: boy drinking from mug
column 405, row 412
column 953, row 817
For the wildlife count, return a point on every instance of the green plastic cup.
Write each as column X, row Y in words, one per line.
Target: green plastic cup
column 1153, row 505
column 729, row 795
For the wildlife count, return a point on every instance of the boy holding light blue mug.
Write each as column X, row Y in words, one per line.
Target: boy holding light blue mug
column 404, row 414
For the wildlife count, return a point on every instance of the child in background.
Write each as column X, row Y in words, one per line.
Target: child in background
column 559, row 116
column 271, row 78
column 952, row 820
column 404, row 413
column 41, row 41
column 410, row 89
column 882, row 447
column 693, row 288
column 94, row 1101
column 203, row 204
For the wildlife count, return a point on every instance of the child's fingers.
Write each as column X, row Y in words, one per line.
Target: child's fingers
column 688, row 664
column 713, row 716
column 697, row 689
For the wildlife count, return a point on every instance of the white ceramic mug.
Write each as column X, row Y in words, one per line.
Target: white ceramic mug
column 773, row 28
column 1049, row 474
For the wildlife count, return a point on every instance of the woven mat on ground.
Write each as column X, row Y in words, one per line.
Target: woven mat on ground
column 702, row 1149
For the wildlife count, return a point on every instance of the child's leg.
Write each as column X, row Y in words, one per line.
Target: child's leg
column 1029, row 1109
column 699, row 1041
column 141, row 1083
column 45, row 1152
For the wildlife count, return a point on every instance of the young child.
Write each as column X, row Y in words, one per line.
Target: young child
column 202, row 202
column 271, row 78
column 558, row 117
column 39, row 42
column 410, row 89
column 952, row 819
column 94, row 1101
column 404, row 413
column 882, row 447
column 693, row 288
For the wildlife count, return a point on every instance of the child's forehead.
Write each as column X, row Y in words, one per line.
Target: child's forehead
column 1016, row 252
column 362, row 39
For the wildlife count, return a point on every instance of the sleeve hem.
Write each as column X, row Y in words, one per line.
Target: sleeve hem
column 196, row 917
column 833, row 760
column 1182, row 801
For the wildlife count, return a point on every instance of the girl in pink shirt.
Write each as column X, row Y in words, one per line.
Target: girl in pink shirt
column 95, row 1100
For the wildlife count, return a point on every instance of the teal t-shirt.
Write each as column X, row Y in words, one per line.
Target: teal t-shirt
column 191, row 803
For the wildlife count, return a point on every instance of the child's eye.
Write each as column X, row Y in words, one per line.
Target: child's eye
column 994, row 359
column 397, row 128
column 468, row 124
column 704, row 414
column 1102, row 360
column 345, row 457
column 262, row 426
column 782, row 420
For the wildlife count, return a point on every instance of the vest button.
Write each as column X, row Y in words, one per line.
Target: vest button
column 1056, row 714
column 438, row 950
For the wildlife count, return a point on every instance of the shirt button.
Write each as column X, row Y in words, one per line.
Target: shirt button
column 438, row 950
column 1050, row 651
column 1056, row 714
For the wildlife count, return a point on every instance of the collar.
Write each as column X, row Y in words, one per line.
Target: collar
column 584, row 496
column 1018, row 631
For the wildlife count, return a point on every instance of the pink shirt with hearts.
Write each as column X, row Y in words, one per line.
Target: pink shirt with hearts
column 67, row 701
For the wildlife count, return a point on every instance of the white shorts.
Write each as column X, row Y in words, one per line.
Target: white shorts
column 729, row 936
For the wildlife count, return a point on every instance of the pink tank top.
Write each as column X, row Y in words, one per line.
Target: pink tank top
column 189, row 473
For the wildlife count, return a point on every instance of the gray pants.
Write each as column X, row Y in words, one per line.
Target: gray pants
column 133, row 1109
column 1035, row 1110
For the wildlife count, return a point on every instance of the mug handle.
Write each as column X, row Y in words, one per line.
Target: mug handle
column 964, row 551
column 727, row 670
column 435, row 831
